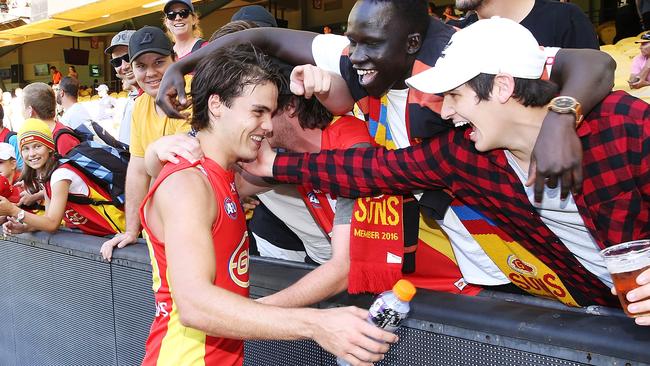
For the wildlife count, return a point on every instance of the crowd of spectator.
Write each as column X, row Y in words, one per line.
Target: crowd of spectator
column 494, row 145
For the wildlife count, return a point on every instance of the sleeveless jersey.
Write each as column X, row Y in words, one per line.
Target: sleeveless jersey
column 97, row 220
column 169, row 342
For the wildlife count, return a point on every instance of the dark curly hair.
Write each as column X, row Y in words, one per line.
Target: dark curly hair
column 529, row 92
column 226, row 72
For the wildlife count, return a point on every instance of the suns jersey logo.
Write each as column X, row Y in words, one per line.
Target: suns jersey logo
column 520, row 266
column 75, row 217
column 230, row 207
column 238, row 263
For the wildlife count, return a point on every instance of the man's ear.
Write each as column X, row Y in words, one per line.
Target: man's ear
column 414, row 42
column 503, row 87
column 214, row 105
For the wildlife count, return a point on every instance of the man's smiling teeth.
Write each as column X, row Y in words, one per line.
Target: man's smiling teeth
column 365, row 72
column 461, row 123
column 257, row 138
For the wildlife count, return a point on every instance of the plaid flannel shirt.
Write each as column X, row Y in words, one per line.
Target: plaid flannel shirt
column 614, row 203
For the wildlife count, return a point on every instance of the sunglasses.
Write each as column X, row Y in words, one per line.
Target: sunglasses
column 117, row 62
column 171, row 15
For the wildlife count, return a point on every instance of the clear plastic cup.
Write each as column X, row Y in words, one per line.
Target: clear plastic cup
column 625, row 262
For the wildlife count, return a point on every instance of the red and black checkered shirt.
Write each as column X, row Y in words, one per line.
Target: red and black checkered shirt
column 614, row 203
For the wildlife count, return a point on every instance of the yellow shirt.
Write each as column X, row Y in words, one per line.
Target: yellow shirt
column 147, row 125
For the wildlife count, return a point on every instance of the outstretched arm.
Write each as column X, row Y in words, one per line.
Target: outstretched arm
column 558, row 153
column 54, row 210
column 291, row 46
column 360, row 172
column 325, row 281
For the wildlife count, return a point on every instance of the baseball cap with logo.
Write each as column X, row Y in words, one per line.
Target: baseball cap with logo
column 120, row 39
column 7, row 151
column 149, row 39
column 645, row 37
column 187, row 3
column 489, row 46
column 256, row 14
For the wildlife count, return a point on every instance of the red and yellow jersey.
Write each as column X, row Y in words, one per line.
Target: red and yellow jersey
column 169, row 342
column 100, row 220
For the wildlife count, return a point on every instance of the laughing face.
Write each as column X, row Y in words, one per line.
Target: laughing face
column 378, row 47
column 149, row 69
column 462, row 106
column 248, row 120
column 123, row 71
column 180, row 26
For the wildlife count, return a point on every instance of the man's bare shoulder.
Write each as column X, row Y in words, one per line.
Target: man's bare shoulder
column 187, row 188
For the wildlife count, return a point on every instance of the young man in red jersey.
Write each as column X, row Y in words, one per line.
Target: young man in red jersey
column 200, row 261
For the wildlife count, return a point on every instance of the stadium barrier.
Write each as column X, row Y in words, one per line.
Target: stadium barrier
column 61, row 304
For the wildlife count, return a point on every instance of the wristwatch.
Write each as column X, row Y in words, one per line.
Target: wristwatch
column 21, row 216
column 566, row 104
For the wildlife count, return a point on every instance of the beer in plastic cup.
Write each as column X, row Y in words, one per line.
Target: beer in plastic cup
column 625, row 262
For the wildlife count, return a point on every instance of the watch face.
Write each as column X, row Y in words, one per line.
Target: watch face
column 564, row 102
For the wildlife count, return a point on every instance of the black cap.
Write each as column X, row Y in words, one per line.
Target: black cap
column 187, row 3
column 149, row 39
column 256, row 14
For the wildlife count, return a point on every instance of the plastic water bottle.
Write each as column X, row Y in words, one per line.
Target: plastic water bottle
column 389, row 309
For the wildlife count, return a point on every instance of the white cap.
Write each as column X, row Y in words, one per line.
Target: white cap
column 7, row 151
column 102, row 87
column 489, row 46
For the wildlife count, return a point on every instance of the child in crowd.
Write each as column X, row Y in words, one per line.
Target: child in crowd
column 60, row 182
column 640, row 70
column 9, row 173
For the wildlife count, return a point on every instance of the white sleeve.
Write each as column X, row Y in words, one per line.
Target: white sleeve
column 550, row 53
column 77, row 185
column 326, row 50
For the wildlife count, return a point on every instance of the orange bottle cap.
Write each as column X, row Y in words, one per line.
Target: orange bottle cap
column 404, row 290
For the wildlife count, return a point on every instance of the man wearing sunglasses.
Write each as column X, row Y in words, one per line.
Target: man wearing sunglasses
column 150, row 54
column 119, row 52
column 182, row 25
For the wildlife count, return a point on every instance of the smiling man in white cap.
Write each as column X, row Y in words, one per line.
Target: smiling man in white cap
column 548, row 249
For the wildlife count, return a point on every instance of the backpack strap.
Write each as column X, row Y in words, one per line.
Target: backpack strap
column 198, row 44
column 88, row 201
column 65, row 131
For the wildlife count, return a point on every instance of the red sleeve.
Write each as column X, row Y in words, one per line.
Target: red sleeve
column 14, row 197
column 65, row 143
column 344, row 133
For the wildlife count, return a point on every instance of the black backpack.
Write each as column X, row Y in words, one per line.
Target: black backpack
column 104, row 165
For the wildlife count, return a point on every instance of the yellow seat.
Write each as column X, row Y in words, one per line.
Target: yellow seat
column 622, row 72
column 609, row 48
column 94, row 97
column 627, row 42
column 606, row 32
